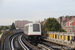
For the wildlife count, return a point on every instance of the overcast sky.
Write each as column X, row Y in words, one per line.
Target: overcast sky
column 32, row 10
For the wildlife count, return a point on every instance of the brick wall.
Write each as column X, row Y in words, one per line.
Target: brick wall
column 72, row 29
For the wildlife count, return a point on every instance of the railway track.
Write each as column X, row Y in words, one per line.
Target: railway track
column 14, row 43
column 43, row 46
column 30, row 46
column 55, row 46
column 22, row 44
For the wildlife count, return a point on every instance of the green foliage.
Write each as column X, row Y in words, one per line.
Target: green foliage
column 0, row 32
column 53, row 25
column 12, row 27
column 4, row 27
column 61, row 30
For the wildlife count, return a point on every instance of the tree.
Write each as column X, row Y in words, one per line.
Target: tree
column 0, row 32
column 61, row 30
column 6, row 27
column 52, row 24
column 12, row 27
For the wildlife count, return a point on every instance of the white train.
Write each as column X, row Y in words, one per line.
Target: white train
column 32, row 32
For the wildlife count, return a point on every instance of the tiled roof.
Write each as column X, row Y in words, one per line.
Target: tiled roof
column 73, row 23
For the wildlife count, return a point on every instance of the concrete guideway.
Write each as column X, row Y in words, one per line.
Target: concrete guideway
column 22, row 44
column 6, row 44
column 14, row 43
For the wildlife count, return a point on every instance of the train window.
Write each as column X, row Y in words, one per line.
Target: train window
column 36, row 27
column 68, row 38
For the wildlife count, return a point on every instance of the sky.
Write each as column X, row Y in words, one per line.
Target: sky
column 34, row 10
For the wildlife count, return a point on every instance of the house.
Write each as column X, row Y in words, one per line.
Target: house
column 60, row 19
column 70, row 25
column 67, row 18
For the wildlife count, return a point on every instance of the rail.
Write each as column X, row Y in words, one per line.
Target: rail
column 12, row 46
column 44, row 47
column 22, row 44
column 32, row 47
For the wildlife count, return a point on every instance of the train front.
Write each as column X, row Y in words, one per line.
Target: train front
column 35, row 33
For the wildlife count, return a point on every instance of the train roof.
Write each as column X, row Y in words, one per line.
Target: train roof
column 31, row 24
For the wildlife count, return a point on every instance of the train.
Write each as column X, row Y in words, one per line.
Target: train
column 32, row 32
column 66, row 39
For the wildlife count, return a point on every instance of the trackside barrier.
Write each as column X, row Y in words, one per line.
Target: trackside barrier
column 4, row 36
column 62, row 38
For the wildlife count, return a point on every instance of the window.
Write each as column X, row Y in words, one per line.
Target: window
column 36, row 27
column 69, row 30
column 70, row 23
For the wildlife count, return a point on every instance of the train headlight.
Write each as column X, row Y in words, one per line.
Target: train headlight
column 29, row 38
column 39, row 38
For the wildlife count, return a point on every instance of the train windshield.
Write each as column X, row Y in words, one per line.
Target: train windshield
column 36, row 28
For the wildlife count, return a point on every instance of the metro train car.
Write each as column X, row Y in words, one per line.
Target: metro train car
column 32, row 32
column 62, row 38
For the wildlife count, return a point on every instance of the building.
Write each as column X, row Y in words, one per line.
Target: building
column 20, row 24
column 67, row 18
column 60, row 19
column 70, row 25
column 43, row 22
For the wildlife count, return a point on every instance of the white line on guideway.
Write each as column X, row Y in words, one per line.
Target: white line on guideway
column 22, row 44
column 12, row 46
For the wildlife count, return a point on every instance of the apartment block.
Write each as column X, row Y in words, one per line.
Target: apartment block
column 20, row 24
